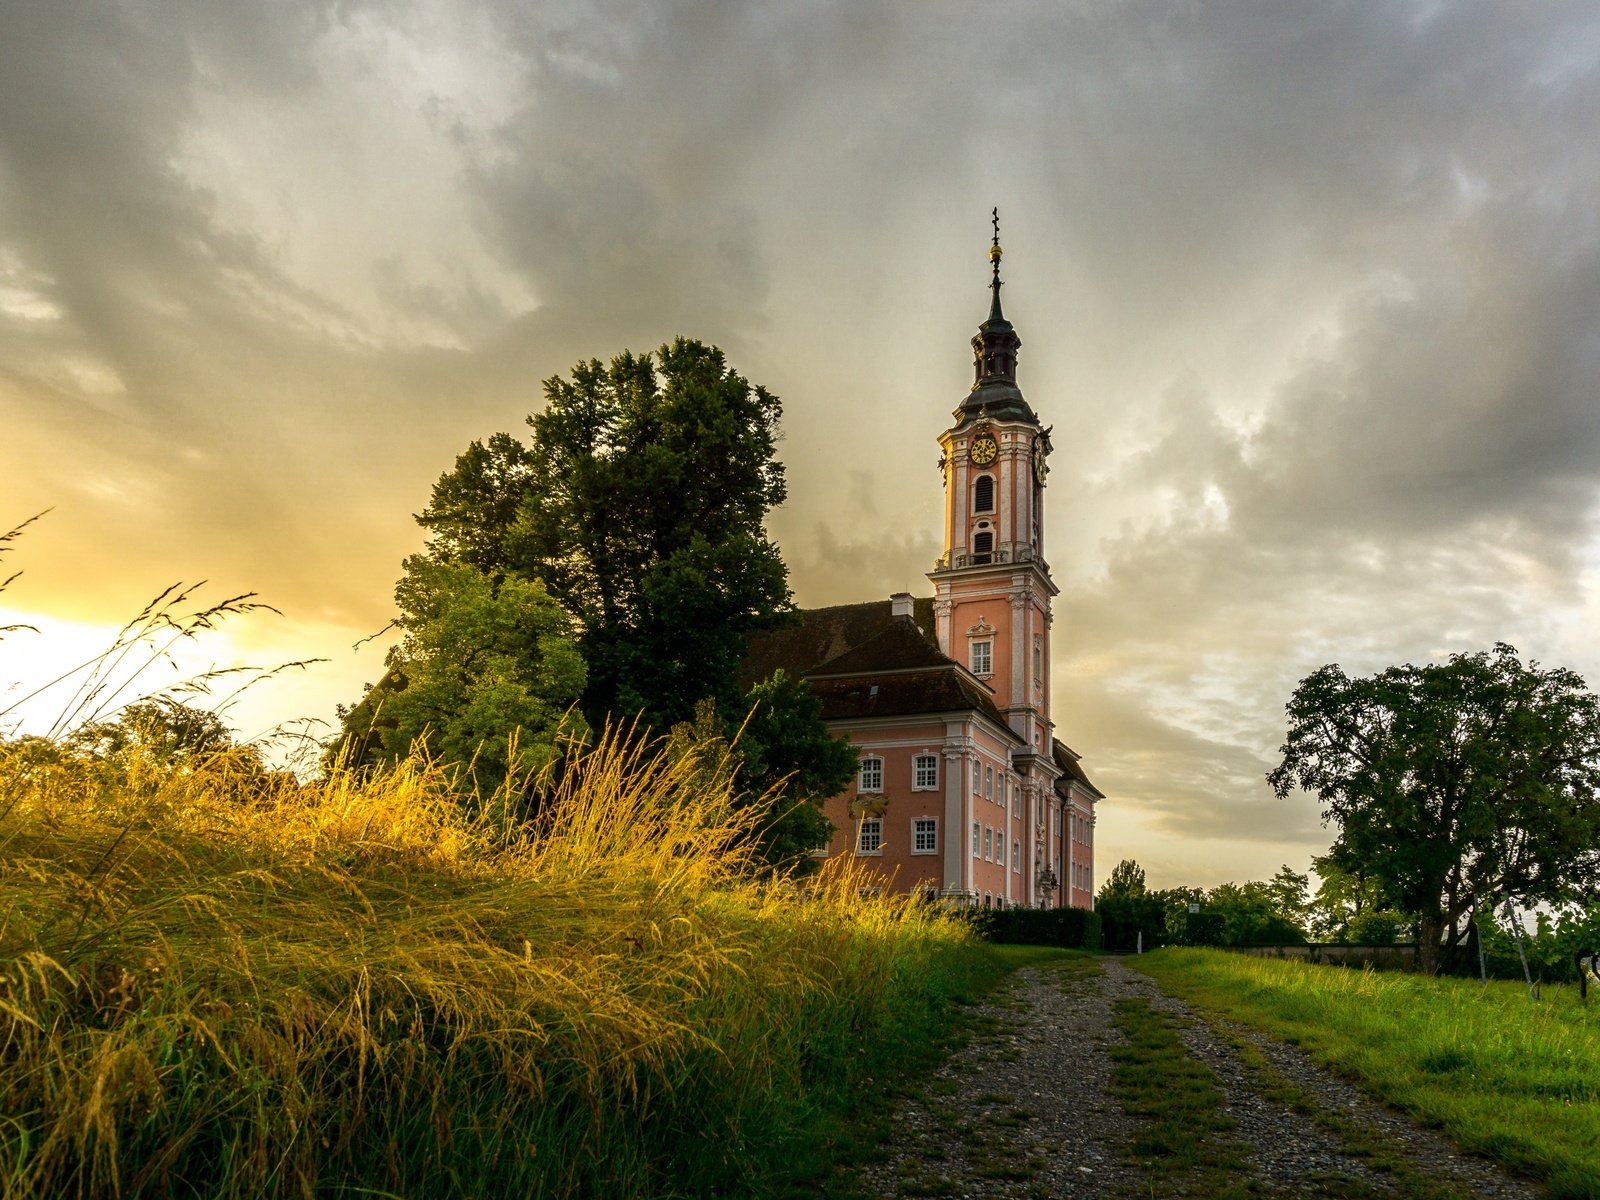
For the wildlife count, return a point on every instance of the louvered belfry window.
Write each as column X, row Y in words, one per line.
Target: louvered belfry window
column 983, row 494
column 983, row 546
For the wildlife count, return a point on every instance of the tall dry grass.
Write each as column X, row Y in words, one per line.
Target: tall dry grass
column 219, row 981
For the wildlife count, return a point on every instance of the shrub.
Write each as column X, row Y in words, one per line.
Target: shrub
column 1070, row 928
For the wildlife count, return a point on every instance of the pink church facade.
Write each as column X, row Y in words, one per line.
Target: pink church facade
column 964, row 789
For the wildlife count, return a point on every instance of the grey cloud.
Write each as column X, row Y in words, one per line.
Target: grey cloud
column 1308, row 293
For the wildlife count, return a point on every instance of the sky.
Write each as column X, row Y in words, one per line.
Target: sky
column 1309, row 293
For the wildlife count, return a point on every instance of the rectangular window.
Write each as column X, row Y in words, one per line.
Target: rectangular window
column 1016, row 856
column 870, row 776
column 924, row 835
column 925, row 772
column 1000, row 847
column 975, row 836
column 988, row 782
column 988, row 842
column 982, row 662
column 871, row 836
column 977, row 778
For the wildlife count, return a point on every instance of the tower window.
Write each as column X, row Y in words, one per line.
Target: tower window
column 983, row 546
column 983, row 494
column 982, row 658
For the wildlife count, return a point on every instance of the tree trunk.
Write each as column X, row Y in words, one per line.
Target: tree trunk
column 1430, row 927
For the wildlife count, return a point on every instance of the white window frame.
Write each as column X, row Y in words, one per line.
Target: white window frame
column 988, row 783
column 977, row 838
column 871, row 765
column 988, row 843
column 1016, row 857
column 925, row 782
column 1000, row 846
column 977, row 778
column 869, row 836
column 924, row 829
column 981, row 656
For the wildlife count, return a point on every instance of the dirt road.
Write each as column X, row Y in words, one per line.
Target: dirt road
column 1027, row 1108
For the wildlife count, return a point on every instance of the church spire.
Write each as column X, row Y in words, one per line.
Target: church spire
column 995, row 315
column 994, row 356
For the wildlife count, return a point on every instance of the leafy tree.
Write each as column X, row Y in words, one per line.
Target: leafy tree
column 474, row 506
column 1289, row 894
column 1350, row 907
column 1252, row 915
column 1474, row 778
column 484, row 676
column 162, row 731
column 781, row 752
column 1128, row 909
column 635, row 512
column 1126, row 880
column 639, row 505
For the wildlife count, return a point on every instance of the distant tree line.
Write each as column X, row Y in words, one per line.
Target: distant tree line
column 1462, row 792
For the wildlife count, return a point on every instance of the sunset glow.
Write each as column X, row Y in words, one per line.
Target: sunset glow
column 1307, row 295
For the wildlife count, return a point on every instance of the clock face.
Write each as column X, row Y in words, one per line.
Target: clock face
column 985, row 449
column 1040, row 468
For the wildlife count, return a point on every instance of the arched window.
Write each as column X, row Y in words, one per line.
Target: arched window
column 983, row 494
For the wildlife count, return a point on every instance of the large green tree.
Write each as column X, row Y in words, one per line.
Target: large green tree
column 1453, row 783
column 639, row 503
column 635, row 510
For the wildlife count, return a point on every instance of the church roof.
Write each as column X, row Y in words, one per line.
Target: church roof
column 863, row 661
column 1067, row 759
column 999, row 400
column 822, row 634
column 941, row 690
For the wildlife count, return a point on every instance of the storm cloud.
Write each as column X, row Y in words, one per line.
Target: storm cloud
column 1308, row 294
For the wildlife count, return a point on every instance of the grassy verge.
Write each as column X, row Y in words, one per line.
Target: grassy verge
column 1504, row 1076
column 218, row 984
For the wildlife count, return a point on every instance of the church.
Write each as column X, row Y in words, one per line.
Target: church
column 963, row 789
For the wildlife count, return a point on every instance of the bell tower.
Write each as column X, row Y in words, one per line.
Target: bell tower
column 992, row 586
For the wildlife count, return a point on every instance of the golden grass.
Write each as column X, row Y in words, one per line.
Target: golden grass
column 217, row 981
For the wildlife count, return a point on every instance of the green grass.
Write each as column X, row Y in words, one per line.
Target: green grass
column 1184, row 1147
column 214, row 983
column 1511, row 1078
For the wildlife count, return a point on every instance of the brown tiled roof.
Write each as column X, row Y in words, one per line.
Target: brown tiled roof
column 899, row 646
column 1067, row 760
column 825, row 633
column 863, row 661
column 905, row 693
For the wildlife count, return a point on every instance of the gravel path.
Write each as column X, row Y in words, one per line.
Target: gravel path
column 1023, row 1109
